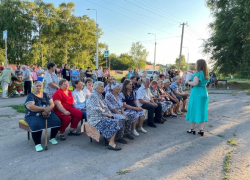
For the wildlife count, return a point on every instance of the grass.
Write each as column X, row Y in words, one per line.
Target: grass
column 1, row 90
column 118, row 77
column 232, row 142
column 210, row 125
column 19, row 108
column 220, row 135
column 121, row 172
column 226, row 165
column 234, row 134
column 248, row 93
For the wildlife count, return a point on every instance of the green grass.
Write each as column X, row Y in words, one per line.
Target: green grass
column 123, row 172
column 210, row 125
column 232, row 142
column 226, row 165
column 19, row 108
column 1, row 90
column 118, row 77
column 248, row 93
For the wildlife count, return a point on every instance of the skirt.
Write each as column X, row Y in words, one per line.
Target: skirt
column 108, row 127
column 37, row 123
column 166, row 105
column 133, row 114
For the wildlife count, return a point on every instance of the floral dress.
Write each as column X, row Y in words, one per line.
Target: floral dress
column 97, row 109
column 156, row 94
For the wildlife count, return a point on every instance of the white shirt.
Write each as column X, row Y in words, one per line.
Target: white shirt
column 79, row 99
column 40, row 71
column 143, row 93
column 100, row 73
column 86, row 92
column 27, row 73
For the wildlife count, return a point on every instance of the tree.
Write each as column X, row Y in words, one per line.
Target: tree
column 173, row 66
column 139, row 55
column 229, row 44
column 191, row 66
column 183, row 65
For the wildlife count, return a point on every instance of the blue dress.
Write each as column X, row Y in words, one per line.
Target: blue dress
column 198, row 101
column 35, row 120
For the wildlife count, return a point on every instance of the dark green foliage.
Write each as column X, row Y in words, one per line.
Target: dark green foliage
column 229, row 44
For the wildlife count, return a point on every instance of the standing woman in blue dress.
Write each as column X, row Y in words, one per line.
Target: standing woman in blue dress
column 198, row 101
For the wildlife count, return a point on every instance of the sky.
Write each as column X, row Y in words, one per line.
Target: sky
column 126, row 21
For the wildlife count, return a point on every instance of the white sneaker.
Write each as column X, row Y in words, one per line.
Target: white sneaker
column 135, row 133
column 142, row 130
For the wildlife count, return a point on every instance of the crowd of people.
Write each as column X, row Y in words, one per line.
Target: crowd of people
column 113, row 108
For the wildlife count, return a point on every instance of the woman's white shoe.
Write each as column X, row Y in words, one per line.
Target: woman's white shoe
column 142, row 130
column 135, row 133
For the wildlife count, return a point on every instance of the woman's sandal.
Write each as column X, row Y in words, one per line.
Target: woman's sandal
column 191, row 131
column 201, row 132
column 74, row 133
column 116, row 148
column 61, row 137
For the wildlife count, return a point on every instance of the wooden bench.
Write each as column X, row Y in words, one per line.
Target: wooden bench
column 24, row 125
column 221, row 80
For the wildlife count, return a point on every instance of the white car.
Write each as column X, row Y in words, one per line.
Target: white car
column 150, row 74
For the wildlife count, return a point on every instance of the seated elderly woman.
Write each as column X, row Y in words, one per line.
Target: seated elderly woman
column 132, row 110
column 157, row 98
column 64, row 110
column 88, row 89
column 39, row 108
column 99, row 116
column 172, row 97
column 170, row 103
column 79, row 98
column 114, row 101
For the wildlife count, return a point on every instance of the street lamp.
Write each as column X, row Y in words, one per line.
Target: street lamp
column 155, row 49
column 96, row 63
column 187, row 58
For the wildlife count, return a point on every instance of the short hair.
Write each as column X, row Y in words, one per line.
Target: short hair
column 62, row 81
column 88, row 67
column 166, row 81
column 36, row 82
column 160, row 81
column 24, row 66
column 97, row 84
column 138, row 78
column 77, row 81
column 50, row 65
column 154, row 81
column 123, row 79
column 88, row 80
column 96, row 69
column 178, row 77
column 145, row 80
column 133, row 77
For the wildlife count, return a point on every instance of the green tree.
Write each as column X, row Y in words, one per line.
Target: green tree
column 229, row 44
column 139, row 55
column 191, row 66
column 183, row 65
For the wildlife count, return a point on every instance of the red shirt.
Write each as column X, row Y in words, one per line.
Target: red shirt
column 66, row 101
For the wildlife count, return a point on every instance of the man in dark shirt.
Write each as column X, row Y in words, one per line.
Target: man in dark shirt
column 89, row 73
column 133, row 80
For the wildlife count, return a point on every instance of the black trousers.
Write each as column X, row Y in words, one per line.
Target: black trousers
column 100, row 79
column 27, row 87
column 36, row 136
column 151, row 110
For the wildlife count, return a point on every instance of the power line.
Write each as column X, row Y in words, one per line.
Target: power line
column 194, row 32
column 129, row 17
column 134, row 12
column 150, row 5
column 151, row 11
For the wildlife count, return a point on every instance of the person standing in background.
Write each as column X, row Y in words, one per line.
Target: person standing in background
column 34, row 75
column 75, row 76
column 18, row 70
column 82, row 74
column 27, row 78
column 198, row 102
column 40, row 73
column 100, row 74
column 66, row 73
column 60, row 72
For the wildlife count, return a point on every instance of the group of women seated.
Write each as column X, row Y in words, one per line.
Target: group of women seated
column 114, row 116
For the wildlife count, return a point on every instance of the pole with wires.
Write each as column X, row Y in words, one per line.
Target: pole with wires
column 179, row 65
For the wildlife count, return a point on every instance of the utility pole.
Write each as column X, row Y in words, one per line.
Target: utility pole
column 179, row 65
column 155, row 50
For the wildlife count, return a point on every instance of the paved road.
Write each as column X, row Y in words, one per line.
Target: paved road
column 167, row 152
